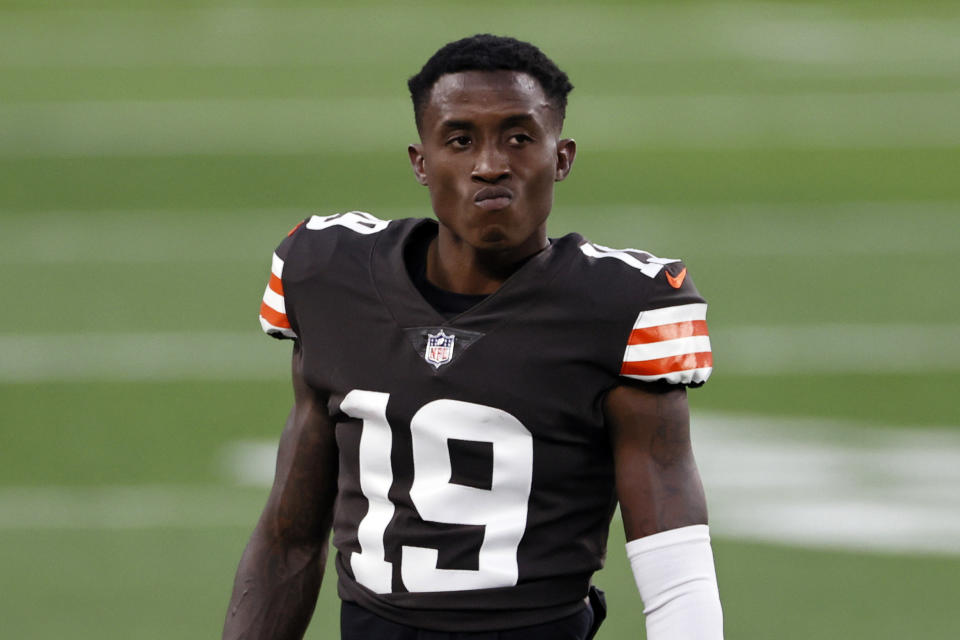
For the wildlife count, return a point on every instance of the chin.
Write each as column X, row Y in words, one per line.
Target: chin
column 493, row 237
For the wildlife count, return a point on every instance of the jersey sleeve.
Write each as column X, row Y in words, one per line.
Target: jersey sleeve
column 273, row 307
column 669, row 341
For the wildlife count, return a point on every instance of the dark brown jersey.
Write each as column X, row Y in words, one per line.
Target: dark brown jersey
column 476, row 479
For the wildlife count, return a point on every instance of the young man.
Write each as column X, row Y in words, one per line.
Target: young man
column 472, row 398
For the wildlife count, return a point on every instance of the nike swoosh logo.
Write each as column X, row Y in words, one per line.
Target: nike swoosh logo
column 676, row 281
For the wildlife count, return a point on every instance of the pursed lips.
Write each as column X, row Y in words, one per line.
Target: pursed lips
column 493, row 198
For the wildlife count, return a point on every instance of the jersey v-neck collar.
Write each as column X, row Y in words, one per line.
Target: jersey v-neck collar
column 448, row 303
column 410, row 309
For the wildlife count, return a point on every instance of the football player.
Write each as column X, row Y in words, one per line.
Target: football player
column 472, row 398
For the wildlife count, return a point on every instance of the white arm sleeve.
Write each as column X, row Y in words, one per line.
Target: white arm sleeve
column 678, row 584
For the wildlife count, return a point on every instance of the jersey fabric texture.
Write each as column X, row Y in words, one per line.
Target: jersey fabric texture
column 356, row 623
column 476, row 479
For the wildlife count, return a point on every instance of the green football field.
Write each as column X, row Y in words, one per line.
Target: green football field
column 802, row 157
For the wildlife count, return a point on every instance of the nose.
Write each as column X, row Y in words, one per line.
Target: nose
column 491, row 164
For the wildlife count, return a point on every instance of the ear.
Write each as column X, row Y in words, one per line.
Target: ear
column 415, row 151
column 566, row 152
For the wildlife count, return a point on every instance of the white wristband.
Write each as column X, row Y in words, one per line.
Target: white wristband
column 677, row 580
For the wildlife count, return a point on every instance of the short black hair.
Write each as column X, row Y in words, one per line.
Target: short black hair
column 486, row 52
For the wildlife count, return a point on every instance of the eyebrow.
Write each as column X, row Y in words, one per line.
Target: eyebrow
column 522, row 118
column 509, row 121
column 456, row 124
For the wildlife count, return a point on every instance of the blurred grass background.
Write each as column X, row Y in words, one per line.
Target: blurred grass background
column 802, row 156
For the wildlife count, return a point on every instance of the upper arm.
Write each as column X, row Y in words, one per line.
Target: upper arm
column 300, row 507
column 658, row 485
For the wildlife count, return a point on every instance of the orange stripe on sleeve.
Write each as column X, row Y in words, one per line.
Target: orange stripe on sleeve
column 662, row 366
column 671, row 331
column 276, row 284
column 273, row 316
column 294, row 230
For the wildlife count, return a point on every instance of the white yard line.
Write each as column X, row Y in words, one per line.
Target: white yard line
column 775, row 229
column 837, row 348
column 127, row 507
column 806, row 482
column 281, row 126
column 802, row 120
column 257, row 35
column 796, row 481
column 824, row 348
column 831, row 483
column 814, row 483
column 143, row 356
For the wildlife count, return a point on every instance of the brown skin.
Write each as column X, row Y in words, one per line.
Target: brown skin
column 277, row 582
column 480, row 130
column 658, row 484
column 483, row 130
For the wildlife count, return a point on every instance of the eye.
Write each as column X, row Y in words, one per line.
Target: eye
column 459, row 142
column 520, row 139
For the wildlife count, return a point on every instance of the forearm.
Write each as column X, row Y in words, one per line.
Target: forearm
column 664, row 513
column 277, row 582
column 675, row 574
column 275, row 590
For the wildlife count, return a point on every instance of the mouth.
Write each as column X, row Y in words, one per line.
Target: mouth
column 493, row 198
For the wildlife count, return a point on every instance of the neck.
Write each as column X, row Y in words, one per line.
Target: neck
column 454, row 266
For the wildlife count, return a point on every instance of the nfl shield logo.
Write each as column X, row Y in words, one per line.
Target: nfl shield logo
column 439, row 348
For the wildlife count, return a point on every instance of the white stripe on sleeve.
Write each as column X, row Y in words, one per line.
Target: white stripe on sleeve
column 274, row 300
column 666, row 348
column 669, row 315
column 277, row 266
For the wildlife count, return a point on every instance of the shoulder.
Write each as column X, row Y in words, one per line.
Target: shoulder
column 320, row 242
column 641, row 271
column 630, row 279
column 314, row 252
column 333, row 244
column 659, row 312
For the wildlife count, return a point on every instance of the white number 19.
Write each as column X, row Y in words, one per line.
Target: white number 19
column 502, row 508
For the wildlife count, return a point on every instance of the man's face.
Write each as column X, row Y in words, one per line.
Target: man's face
column 489, row 154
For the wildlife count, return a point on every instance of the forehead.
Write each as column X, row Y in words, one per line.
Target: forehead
column 473, row 94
